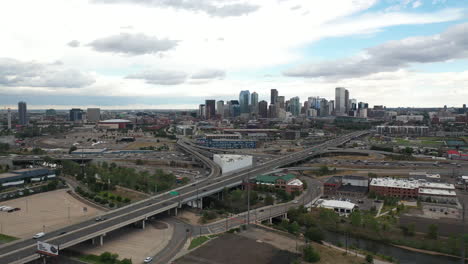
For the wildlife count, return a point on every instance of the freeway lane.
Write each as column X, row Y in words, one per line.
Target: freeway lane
column 25, row 250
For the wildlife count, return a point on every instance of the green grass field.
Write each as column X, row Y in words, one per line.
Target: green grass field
column 6, row 239
column 198, row 241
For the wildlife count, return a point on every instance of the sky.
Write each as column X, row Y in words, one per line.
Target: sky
column 174, row 54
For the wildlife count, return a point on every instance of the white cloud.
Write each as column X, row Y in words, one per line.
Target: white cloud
column 417, row 4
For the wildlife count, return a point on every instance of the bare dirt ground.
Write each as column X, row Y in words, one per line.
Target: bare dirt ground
column 327, row 255
column 235, row 249
column 132, row 242
column 50, row 209
column 189, row 217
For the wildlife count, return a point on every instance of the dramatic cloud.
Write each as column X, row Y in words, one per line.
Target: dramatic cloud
column 220, row 8
column 160, row 77
column 31, row 74
column 209, row 74
column 393, row 55
column 133, row 44
column 74, row 43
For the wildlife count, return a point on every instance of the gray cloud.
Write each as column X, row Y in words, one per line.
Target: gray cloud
column 160, row 77
column 74, row 43
column 219, row 8
column 15, row 73
column 133, row 44
column 209, row 74
column 393, row 55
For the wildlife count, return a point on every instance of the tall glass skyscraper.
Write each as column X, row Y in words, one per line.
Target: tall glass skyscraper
column 22, row 113
column 295, row 106
column 244, row 97
column 254, row 102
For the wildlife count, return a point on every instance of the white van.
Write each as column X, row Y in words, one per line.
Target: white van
column 39, row 235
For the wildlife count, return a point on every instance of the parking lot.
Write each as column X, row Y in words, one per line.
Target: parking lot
column 44, row 211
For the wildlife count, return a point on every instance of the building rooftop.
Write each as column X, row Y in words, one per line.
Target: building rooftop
column 337, row 204
column 115, row 121
column 232, row 158
column 426, row 191
column 271, row 179
column 334, row 180
column 352, row 177
column 436, row 185
column 396, row 183
column 296, row 182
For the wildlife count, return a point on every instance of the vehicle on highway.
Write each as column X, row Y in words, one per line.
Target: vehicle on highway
column 295, row 201
column 148, row 259
column 39, row 235
column 100, row 218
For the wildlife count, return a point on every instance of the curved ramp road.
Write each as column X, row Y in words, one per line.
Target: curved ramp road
column 25, row 250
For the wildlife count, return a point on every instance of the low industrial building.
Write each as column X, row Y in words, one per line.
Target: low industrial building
column 343, row 208
column 185, row 130
column 228, row 143
column 88, row 151
column 403, row 130
column 114, row 124
column 289, row 183
column 405, row 188
column 232, row 163
column 455, row 155
column 223, row 136
column 23, row 176
column 346, row 186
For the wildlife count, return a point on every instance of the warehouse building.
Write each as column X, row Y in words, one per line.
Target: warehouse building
column 23, row 176
column 405, row 188
column 232, row 163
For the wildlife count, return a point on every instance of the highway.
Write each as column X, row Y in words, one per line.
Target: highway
column 24, row 250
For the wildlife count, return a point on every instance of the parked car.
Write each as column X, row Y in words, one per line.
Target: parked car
column 148, row 259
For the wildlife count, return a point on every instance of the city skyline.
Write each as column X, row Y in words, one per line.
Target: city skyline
column 414, row 48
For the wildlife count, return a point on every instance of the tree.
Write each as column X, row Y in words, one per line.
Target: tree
column 314, row 234
column 432, row 231
column 369, row 258
column 324, row 170
column 269, row 200
column 126, row 261
column 72, row 148
column 356, row 218
column 310, row 255
column 293, row 228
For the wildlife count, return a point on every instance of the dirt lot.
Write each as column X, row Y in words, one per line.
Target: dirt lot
column 235, row 249
column 258, row 246
column 132, row 242
column 48, row 209
column 189, row 217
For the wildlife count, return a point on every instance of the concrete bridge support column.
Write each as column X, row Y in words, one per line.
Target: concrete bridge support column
column 270, row 220
column 143, row 222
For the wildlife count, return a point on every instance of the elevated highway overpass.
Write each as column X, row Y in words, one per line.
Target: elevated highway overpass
column 25, row 250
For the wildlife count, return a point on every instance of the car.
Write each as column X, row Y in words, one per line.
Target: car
column 39, row 235
column 63, row 232
column 295, row 201
column 148, row 260
column 261, row 210
column 100, row 218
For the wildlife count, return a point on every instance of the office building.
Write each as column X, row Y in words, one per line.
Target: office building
column 220, row 108
column 244, row 98
column 22, row 113
column 281, row 102
column 9, row 118
column 347, row 102
column 263, row 109
column 210, row 109
column 273, row 111
column 93, row 114
column 254, row 102
column 353, row 104
column 295, row 106
column 201, row 111
column 234, row 109
column 274, row 96
column 340, row 101
column 76, row 114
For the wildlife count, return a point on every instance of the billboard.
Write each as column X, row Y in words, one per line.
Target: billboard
column 47, row 249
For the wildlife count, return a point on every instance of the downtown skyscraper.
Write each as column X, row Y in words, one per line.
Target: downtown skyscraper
column 22, row 113
column 244, row 98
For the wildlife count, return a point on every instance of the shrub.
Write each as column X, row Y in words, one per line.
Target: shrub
column 118, row 198
column 126, row 200
column 111, row 205
column 310, row 255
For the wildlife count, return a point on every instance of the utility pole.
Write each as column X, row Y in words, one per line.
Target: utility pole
column 248, row 201
column 463, row 235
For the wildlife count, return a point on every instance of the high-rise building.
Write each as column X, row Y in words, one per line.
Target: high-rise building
column 295, row 106
column 280, row 102
column 9, row 118
column 273, row 111
column 341, row 100
column 244, row 97
column 22, row 113
column 347, row 102
column 263, row 109
column 352, row 104
column 93, row 114
column 234, row 109
column 76, row 114
column 201, row 111
column 210, row 108
column 274, row 96
column 220, row 108
column 254, row 102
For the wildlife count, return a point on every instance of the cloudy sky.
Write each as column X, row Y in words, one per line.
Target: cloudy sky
column 162, row 54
